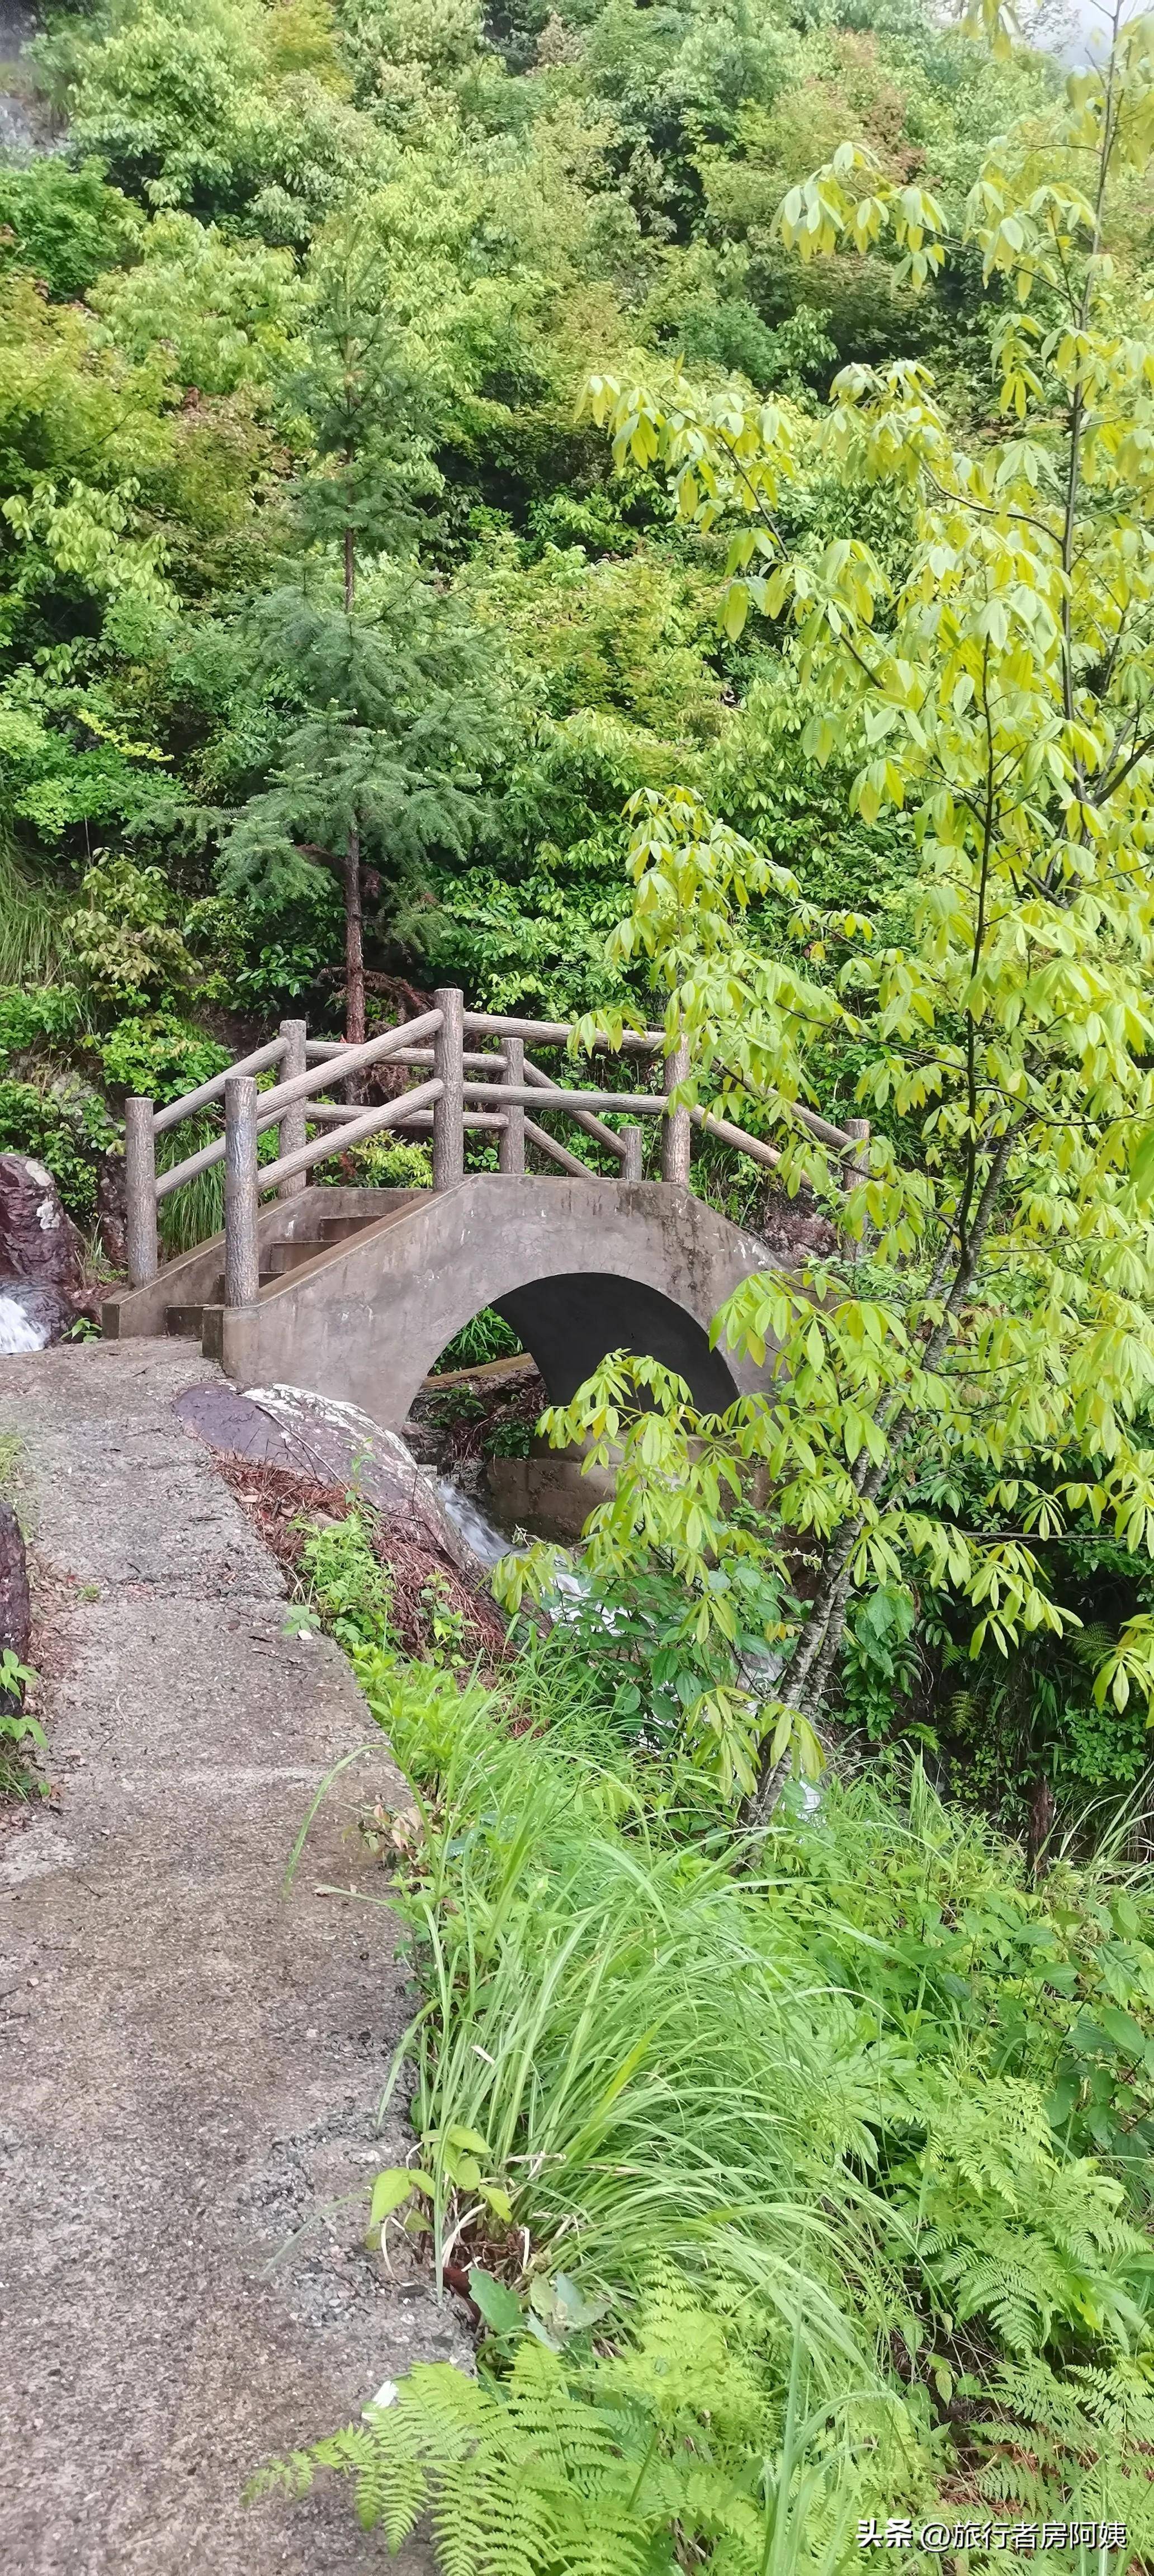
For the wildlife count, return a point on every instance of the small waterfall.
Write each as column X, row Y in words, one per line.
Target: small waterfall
column 17, row 1331
column 489, row 1543
column 475, row 1527
column 25, row 117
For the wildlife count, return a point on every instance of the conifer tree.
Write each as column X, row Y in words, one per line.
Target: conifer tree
column 388, row 710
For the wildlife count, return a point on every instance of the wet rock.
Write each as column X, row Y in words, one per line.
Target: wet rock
column 37, row 1240
column 112, row 1211
column 32, row 1315
column 794, row 1231
column 15, row 1614
column 335, row 1444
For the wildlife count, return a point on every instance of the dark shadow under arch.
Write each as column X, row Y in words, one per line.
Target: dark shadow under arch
column 571, row 1321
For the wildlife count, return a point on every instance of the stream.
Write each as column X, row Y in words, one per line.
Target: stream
column 472, row 1523
column 760, row 1667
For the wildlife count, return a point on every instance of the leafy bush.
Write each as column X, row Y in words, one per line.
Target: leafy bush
column 510, row 1440
column 384, row 1163
column 639, row 1630
column 127, row 950
column 159, row 1057
column 65, row 224
column 44, row 1017
column 66, row 1126
column 797, row 2142
column 486, row 1337
column 348, row 1589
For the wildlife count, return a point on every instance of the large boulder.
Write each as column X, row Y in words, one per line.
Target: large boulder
column 38, row 1242
column 335, row 1444
column 15, row 1613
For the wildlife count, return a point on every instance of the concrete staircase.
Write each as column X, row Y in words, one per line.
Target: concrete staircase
column 279, row 1261
column 302, row 1241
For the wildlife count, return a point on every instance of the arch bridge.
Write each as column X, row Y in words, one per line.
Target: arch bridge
column 354, row 1292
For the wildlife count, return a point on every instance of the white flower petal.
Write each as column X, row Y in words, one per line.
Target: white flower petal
column 384, row 2396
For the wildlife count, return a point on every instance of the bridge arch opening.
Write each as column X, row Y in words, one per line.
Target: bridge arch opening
column 570, row 1320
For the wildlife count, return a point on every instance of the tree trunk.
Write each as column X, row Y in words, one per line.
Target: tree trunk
column 1043, row 1806
column 354, row 909
column 807, row 1676
column 354, row 944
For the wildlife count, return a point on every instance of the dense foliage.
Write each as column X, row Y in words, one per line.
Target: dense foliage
column 337, row 638
column 794, row 2185
column 594, row 501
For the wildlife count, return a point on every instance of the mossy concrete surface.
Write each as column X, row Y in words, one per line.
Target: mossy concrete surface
column 190, row 2059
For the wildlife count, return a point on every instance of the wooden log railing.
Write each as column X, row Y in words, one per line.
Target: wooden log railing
column 460, row 1088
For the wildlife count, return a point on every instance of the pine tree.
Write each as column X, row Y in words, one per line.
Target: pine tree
column 389, row 711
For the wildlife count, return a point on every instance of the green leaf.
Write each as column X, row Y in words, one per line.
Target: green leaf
column 498, row 2200
column 499, row 2305
column 1142, row 1165
column 390, row 2190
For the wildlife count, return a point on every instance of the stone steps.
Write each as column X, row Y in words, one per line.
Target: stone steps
column 186, row 1322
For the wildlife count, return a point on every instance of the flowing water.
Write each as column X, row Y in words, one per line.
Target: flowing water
column 24, row 120
column 474, row 1525
column 17, row 1331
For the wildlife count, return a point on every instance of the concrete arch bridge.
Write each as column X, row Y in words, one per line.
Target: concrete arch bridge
column 354, row 1292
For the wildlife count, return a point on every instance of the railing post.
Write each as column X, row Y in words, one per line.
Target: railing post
column 293, row 1123
column 675, row 1125
column 241, row 1249
column 449, row 1070
column 857, row 1166
column 140, row 1192
column 511, row 1150
column 631, row 1139
column 855, row 1169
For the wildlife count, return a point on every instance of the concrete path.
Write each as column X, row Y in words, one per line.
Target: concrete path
column 189, row 2061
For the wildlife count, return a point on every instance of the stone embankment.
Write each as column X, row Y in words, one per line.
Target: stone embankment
column 189, row 2058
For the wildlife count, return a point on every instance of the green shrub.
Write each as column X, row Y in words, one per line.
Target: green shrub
column 819, row 2106
column 67, row 1128
column 385, row 1163
column 127, row 949
column 486, row 1337
column 39, row 1017
column 159, row 1057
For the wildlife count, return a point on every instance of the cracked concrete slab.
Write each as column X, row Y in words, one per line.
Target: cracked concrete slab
column 190, row 2058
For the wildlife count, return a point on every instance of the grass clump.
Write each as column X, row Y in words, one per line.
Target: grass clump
column 787, row 2193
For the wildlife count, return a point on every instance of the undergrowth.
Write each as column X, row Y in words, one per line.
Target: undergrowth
column 21, row 1734
column 791, row 2186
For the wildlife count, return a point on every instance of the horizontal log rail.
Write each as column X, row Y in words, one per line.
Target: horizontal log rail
column 558, row 1033
column 461, row 1088
column 187, row 1107
column 358, row 1131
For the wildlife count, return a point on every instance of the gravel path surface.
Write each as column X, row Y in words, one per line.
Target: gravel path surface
column 189, row 2059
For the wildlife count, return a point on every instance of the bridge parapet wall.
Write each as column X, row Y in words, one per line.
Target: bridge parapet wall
column 581, row 1267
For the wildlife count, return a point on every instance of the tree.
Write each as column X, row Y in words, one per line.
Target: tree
column 994, row 1303
column 389, row 711
column 230, row 109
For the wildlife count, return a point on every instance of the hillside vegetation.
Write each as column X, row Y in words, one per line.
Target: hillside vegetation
column 646, row 511
column 413, row 427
